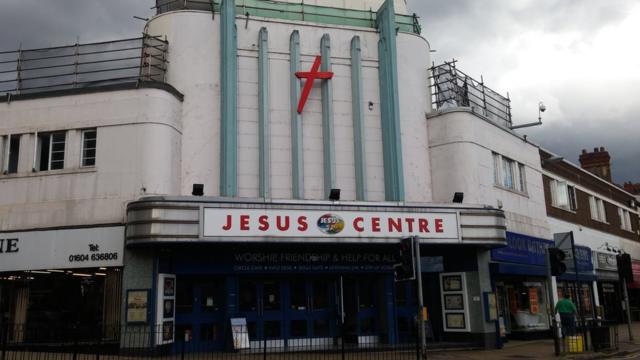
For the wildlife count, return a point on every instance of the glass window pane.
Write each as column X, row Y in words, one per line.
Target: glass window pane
column 248, row 295
column 298, row 295
column 212, row 297
column 184, row 295
column 57, row 147
column 365, row 295
column 321, row 328
column 320, row 295
column 57, row 165
column 272, row 329
column 14, row 151
column 271, row 295
column 299, row 328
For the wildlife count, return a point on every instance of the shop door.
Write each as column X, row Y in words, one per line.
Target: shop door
column 261, row 304
column 311, row 309
column 610, row 302
column 200, row 308
column 360, row 297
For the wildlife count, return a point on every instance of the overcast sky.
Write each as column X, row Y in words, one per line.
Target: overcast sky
column 580, row 57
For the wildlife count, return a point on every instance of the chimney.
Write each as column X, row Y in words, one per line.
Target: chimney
column 632, row 188
column 598, row 162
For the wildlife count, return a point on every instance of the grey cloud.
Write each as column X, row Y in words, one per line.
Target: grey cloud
column 568, row 140
column 38, row 23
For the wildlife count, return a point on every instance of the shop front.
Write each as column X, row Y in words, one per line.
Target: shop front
column 578, row 282
column 54, row 279
column 609, row 294
column 302, row 275
column 519, row 273
column 634, row 291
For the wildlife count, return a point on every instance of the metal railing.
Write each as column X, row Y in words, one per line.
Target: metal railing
column 76, row 66
column 451, row 88
column 203, row 341
column 293, row 11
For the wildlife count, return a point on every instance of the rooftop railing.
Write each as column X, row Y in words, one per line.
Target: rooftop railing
column 82, row 65
column 293, row 11
column 451, row 88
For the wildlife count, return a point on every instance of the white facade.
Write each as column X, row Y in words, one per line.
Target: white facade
column 461, row 148
column 138, row 153
column 194, row 70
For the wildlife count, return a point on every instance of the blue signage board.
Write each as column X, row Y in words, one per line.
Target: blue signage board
column 583, row 257
column 522, row 249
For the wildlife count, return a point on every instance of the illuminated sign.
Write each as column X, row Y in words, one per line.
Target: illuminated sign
column 327, row 224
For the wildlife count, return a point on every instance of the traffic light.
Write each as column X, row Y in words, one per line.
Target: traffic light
column 624, row 267
column 405, row 270
column 556, row 261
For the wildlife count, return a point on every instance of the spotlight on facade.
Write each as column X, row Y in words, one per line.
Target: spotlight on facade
column 334, row 194
column 198, row 190
column 458, row 197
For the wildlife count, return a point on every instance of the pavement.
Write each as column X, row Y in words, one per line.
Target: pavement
column 544, row 349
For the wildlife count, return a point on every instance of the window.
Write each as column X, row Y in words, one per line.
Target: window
column 596, row 207
column 11, row 154
column 50, row 151
column 508, row 173
column 522, row 179
column 563, row 195
column 88, row 148
column 625, row 219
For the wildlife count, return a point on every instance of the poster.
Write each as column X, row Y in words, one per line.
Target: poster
column 533, row 300
column 137, row 306
column 240, row 333
column 455, row 321
column 168, row 309
column 167, row 331
column 452, row 283
column 453, row 302
column 169, row 286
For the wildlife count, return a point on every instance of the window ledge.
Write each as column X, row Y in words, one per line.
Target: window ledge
column 511, row 190
column 565, row 209
column 48, row 173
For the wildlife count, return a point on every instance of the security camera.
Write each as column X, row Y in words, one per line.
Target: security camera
column 541, row 107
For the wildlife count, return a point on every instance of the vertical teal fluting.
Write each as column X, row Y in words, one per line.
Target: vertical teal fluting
column 358, row 119
column 228, row 100
column 263, row 114
column 390, row 103
column 328, row 142
column 297, row 168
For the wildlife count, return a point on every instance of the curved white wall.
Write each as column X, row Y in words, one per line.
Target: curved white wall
column 194, row 69
column 461, row 146
column 138, row 153
column 415, row 103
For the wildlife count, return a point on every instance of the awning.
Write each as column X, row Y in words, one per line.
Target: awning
column 518, row 269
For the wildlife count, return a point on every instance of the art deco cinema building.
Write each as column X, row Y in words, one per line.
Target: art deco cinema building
column 257, row 160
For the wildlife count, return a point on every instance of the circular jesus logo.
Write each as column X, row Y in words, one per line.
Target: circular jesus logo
column 330, row 224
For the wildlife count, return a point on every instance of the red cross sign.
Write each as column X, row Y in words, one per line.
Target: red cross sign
column 311, row 77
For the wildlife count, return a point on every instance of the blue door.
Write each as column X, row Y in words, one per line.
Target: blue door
column 200, row 308
column 361, row 297
column 261, row 303
column 311, row 313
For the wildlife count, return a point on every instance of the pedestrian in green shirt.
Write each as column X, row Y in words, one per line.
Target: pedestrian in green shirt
column 567, row 310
